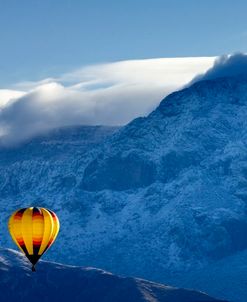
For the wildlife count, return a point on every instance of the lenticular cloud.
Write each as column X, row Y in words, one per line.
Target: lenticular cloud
column 105, row 94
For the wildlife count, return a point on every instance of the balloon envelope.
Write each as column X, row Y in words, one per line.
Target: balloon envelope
column 33, row 230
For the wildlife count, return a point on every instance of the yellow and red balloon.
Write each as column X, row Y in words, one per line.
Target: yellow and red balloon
column 33, row 230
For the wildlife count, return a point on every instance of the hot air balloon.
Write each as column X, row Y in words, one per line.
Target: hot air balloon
column 33, row 230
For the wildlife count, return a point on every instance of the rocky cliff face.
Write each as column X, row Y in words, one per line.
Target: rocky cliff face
column 169, row 190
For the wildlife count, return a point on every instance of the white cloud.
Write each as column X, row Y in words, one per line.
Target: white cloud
column 7, row 95
column 108, row 94
column 225, row 66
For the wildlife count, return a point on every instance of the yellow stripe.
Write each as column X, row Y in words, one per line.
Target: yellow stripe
column 27, row 229
column 56, row 227
column 15, row 229
column 48, row 230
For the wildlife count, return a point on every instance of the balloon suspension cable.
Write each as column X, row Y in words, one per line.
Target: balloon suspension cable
column 33, row 268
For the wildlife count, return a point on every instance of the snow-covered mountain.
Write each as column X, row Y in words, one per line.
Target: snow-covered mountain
column 162, row 198
column 57, row 282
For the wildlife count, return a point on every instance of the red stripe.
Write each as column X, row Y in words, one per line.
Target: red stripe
column 21, row 242
column 37, row 242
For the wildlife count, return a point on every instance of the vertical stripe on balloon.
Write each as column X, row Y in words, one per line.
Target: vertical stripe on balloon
column 37, row 229
column 48, row 230
column 27, row 230
column 16, row 230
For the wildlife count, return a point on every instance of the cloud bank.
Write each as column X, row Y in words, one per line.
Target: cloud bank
column 103, row 94
column 225, row 66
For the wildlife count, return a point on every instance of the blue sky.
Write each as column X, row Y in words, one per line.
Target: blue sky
column 44, row 38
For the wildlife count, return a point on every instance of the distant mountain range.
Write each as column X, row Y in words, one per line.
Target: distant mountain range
column 57, row 282
column 162, row 198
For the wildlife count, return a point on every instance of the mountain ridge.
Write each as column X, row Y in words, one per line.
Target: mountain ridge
column 53, row 281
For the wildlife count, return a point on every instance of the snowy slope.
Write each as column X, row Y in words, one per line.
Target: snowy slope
column 57, row 282
column 224, row 278
column 168, row 190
